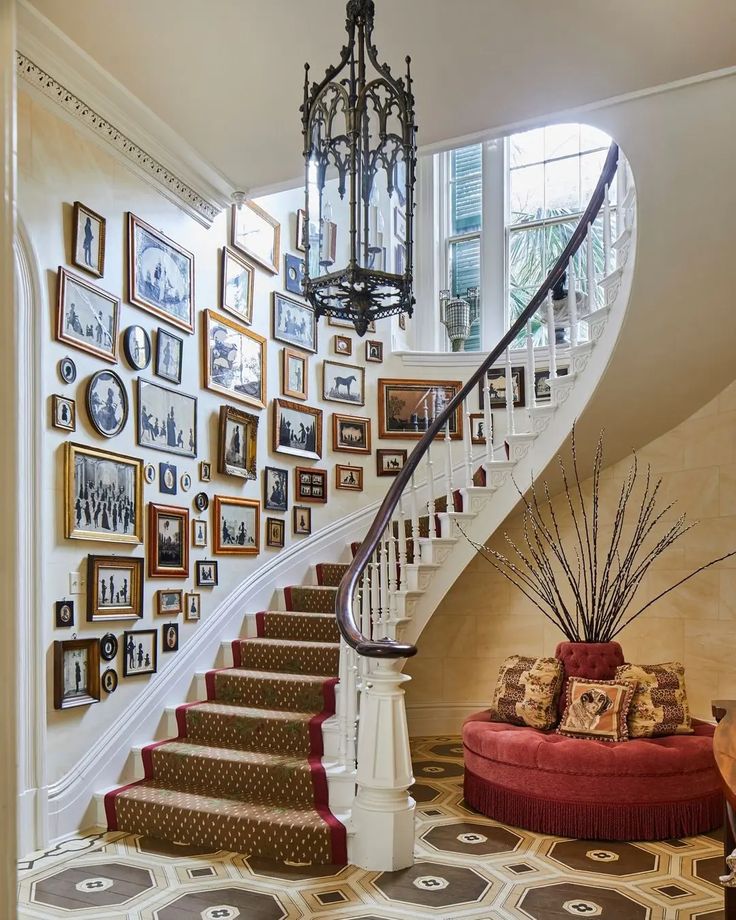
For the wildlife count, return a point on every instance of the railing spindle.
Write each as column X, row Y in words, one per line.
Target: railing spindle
column 552, row 337
column 572, row 301
column 590, row 270
column 468, row 452
column 510, row 426
column 530, row 367
column 384, row 585
column 606, row 233
column 430, row 493
column 341, row 704
column 488, row 420
column 376, row 593
column 351, row 709
column 403, row 554
column 392, row 587
column 448, row 469
column 414, row 521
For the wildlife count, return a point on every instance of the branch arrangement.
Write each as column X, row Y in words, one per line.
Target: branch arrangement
column 582, row 583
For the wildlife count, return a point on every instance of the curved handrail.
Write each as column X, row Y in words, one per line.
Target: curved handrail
column 390, row 648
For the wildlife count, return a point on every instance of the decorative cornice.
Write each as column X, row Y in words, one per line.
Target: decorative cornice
column 194, row 203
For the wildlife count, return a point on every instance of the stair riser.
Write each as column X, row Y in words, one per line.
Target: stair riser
column 264, row 693
column 244, row 734
column 309, row 600
column 296, row 627
column 257, row 656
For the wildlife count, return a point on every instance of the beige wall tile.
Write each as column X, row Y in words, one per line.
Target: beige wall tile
column 727, row 488
column 709, row 441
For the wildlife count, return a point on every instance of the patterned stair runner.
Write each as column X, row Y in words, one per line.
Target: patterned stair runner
column 245, row 772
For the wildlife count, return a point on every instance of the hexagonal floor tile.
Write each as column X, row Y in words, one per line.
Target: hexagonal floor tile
column 563, row 901
column 169, row 850
column 432, row 885
column 472, row 839
column 437, row 769
column 96, row 885
column 223, row 904
column 422, row 793
column 709, row 869
column 453, row 749
column 609, row 858
column 261, row 867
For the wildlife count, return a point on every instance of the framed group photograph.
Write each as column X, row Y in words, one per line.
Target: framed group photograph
column 294, row 274
column 234, row 360
column 275, row 489
column 238, row 442
column 343, row 383
column 374, row 351
column 168, row 541
column 236, row 294
column 542, row 389
column 294, row 323
column 169, row 601
column 390, row 462
column 206, row 573
column 103, row 495
column 88, row 240
column 275, row 533
column 497, row 383
column 139, row 652
column 137, row 347
column 63, row 413
column 294, row 373
column 256, row 234
column 351, row 434
column 87, row 317
column 236, row 525
column 160, row 274
column 477, row 422
column 349, row 478
column 297, row 429
column 169, row 356
column 192, row 606
column 310, row 485
column 114, row 588
column 76, row 673
column 107, row 403
column 302, row 520
column 167, row 419
column 406, row 408
column 199, row 533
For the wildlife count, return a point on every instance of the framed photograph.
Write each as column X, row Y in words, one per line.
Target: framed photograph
column 169, row 601
column 302, row 224
column 302, row 520
column 160, row 275
column 149, row 473
column 185, row 481
column 67, row 370
column 374, row 351
column 237, row 526
column 88, row 240
column 349, row 478
column 542, row 390
column 114, row 588
column 199, row 533
column 294, row 373
column 294, row 323
column 294, row 274
column 497, row 380
column 169, row 356
column 351, row 433
column 168, row 541
column 343, row 383
column 108, row 646
column 236, row 291
column 310, row 484
column 402, row 322
column 167, row 419
column 107, row 403
column 170, row 637
column 257, row 234
column 167, row 478
column 109, row 680
column 275, row 533
column 137, row 347
column 201, row 502
column 390, row 462
column 103, row 495
column 342, row 345
column 297, row 429
column 63, row 413
column 87, row 317
column 192, row 606
column 64, row 614
column 76, row 673
column 207, row 574
column 478, row 427
column 275, row 489
column 349, row 324
column 237, row 443
column 205, row 471
column 234, row 360
column 406, row 408
column 139, row 652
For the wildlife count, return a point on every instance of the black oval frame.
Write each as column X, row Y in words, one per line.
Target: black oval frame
column 127, row 336
column 112, row 641
column 113, row 675
column 125, row 402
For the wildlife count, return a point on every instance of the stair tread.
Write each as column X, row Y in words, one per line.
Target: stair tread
column 277, row 675
column 253, row 712
column 291, row 643
column 257, row 758
column 299, row 613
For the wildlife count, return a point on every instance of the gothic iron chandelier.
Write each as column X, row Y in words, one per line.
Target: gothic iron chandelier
column 360, row 156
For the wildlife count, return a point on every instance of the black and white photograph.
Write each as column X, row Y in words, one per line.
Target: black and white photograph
column 199, row 533
column 168, row 541
column 63, row 413
column 302, row 520
column 137, row 347
column 167, row 478
column 349, row 478
column 275, row 489
column 103, row 495
column 167, row 419
column 294, row 274
column 160, row 274
column 207, row 574
column 192, row 606
column 257, row 235
column 88, row 240
column 310, row 485
column 294, row 373
column 497, row 382
column 205, row 471
column 170, row 637
column 351, row 433
column 64, row 614
column 542, row 389
column 169, row 601
column 390, row 462
column 107, row 403
column 114, row 588
column 374, row 351
column 237, row 526
column 87, row 317
column 343, row 383
column 478, row 427
column 294, row 323
column 67, row 370
column 237, row 286
column 109, row 680
column 235, row 360
column 76, row 673
column 169, row 356
column 297, row 429
column 139, row 652
column 275, row 533
column 238, row 443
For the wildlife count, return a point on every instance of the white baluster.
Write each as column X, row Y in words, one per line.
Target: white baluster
column 341, row 704
column 590, row 270
column 351, row 709
column 448, row 469
column 364, row 600
column 510, row 426
column 552, row 337
column 384, row 585
column 376, row 594
column 390, row 614
column 414, row 521
column 489, row 423
column 430, row 492
column 403, row 554
column 606, row 233
column 572, row 300
column 468, row 434
column 530, row 367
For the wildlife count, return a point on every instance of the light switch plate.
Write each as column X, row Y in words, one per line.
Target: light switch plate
column 76, row 583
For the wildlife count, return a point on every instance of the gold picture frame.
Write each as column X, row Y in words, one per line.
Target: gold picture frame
column 290, row 357
column 238, row 443
column 236, row 275
column 224, row 359
column 407, row 407
column 240, row 535
column 251, row 223
column 92, row 324
column 114, row 588
column 84, row 239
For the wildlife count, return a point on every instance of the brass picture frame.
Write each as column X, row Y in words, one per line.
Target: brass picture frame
column 114, row 588
column 229, row 348
column 236, row 526
column 407, row 407
column 169, row 601
column 348, row 478
column 238, row 443
column 297, row 429
column 294, row 374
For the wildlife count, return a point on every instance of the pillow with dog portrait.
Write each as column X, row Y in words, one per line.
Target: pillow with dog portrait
column 597, row 709
column 659, row 706
column 526, row 692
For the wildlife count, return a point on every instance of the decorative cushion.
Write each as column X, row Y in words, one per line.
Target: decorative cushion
column 526, row 692
column 596, row 660
column 597, row 709
column 659, row 706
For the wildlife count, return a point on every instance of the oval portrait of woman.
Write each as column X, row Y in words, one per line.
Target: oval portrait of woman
column 107, row 403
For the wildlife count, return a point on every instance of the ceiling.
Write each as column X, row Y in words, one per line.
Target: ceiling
column 227, row 75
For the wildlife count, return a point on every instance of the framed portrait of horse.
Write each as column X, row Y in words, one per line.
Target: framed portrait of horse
column 343, row 383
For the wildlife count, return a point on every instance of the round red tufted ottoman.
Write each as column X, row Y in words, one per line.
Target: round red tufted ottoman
column 645, row 789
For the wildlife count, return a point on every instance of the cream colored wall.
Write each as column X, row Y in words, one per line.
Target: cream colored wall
column 483, row 618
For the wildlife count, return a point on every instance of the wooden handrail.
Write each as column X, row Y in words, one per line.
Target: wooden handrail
column 390, row 648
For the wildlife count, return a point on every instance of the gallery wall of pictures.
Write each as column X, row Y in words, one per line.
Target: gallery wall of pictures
column 197, row 420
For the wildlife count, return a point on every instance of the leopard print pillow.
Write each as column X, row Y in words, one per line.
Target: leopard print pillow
column 527, row 690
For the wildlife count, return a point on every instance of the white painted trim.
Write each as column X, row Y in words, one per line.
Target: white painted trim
column 439, row 718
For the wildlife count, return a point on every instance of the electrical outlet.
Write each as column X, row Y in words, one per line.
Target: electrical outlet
column 76, row 583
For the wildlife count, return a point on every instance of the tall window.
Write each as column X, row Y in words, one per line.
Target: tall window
column 465, row 187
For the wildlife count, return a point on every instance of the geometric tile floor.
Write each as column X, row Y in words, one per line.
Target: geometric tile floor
column 467, row 866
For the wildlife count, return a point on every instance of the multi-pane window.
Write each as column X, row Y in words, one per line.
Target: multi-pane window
column 465, row 183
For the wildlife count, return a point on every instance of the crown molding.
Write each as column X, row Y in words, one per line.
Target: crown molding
column 59, row 71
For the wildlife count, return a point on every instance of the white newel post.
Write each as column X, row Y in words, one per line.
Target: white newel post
column 383, row 812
